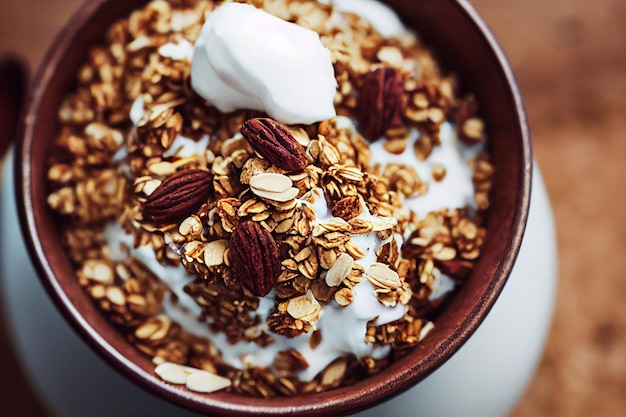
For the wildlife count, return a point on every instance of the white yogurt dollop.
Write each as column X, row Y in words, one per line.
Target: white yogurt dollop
column 382, row 18
column 246, row 58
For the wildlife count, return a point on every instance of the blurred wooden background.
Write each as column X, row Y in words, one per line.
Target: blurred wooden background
column 570, row 60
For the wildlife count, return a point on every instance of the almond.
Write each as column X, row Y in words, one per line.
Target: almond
column 254, row 257
column 382, row 276
column 272, row 182
column 275, row 143
column 179, row 195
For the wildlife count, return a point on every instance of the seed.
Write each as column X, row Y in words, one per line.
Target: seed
column 381, row 276
column 438, row 172
column 203, row 381
column 116, row 295
column 172, row 373
column 97, row 291
column 473, row 130
column 147, row 329
column 344, row 296
column 445, row 254
column 98, row 271
column 162, row 168
column 150, row 185
column 395, row 146
column 164, row 328
column 426, row 329
column 391, row 55
column 334, row 373
column 194, row 379
column 340, row 270
column 300, row 136
column 354, row 250
column 191, row 226
column 281, row 197
column 304, row 307
column 214, row 252
column 271, row 182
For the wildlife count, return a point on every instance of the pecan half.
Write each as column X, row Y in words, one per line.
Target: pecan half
column 380, row 102
column 254, row 257
column 275, row 143
column 179, row 195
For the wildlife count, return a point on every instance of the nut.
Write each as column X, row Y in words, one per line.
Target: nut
column 269, row 181
column 194, row 379
column 275, row 187
column 381, row 276
column 178, row 196
column 203, row 381
column 305, row 308
column 380, row 103
column 275, row 143
column 254, row 257
column 340, row 270
column 214, row 252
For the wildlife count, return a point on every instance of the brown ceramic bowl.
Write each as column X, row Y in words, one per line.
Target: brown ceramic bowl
column 464, row 45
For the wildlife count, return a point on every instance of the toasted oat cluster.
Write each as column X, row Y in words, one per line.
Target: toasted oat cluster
column 260, row 212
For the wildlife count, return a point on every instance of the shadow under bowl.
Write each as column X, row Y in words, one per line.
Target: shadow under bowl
column 464, row 45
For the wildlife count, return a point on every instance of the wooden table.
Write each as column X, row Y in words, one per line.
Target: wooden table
column 570, row 60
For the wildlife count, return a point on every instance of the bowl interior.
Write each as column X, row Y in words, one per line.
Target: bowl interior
column 463, row 44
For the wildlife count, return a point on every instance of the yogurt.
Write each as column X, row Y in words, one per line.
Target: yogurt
column 384, row 20
column 246, row 58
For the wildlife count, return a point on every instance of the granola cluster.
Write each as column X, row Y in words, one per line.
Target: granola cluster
column 242, row 214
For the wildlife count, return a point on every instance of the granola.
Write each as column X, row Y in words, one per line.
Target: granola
column 206, row 236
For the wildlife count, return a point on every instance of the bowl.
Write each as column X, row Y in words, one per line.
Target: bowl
column 463, row 44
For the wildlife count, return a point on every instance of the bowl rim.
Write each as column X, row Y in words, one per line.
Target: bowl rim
column 331, row 401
